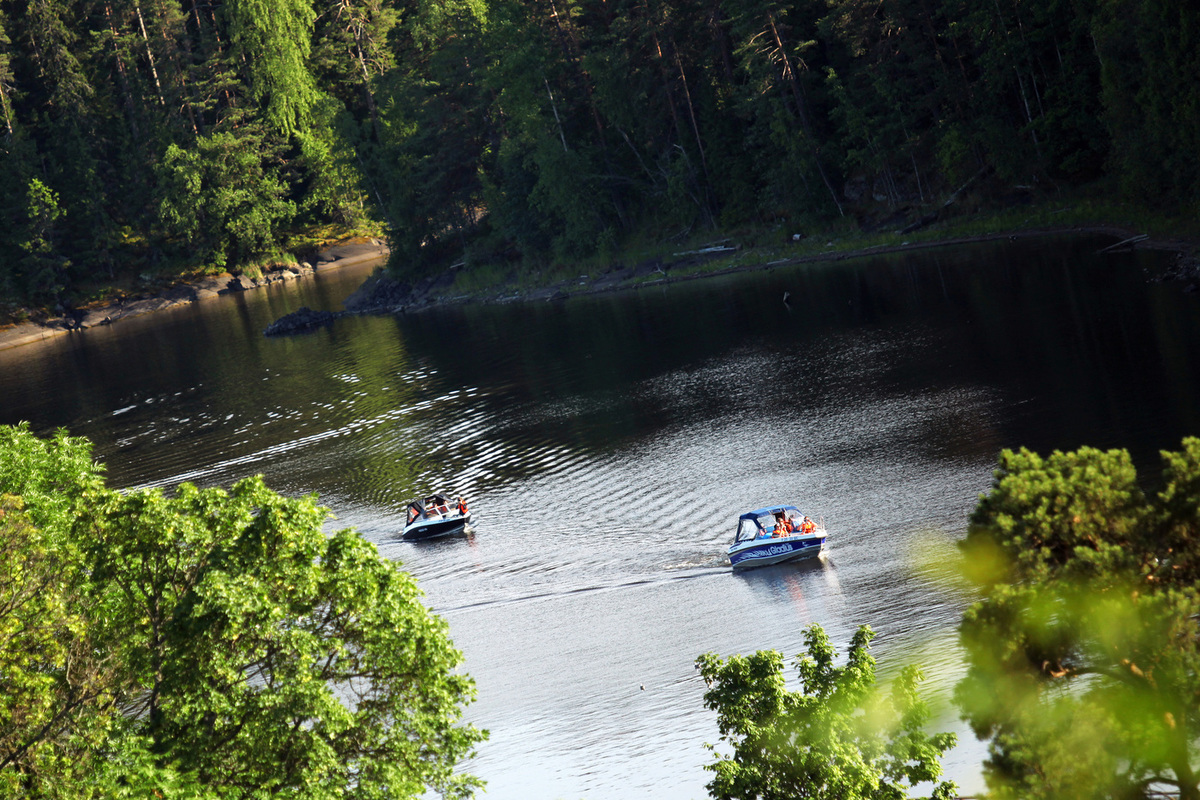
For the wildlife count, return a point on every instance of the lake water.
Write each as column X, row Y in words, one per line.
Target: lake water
column 606, row 445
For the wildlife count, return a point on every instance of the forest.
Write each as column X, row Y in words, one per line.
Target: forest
column 142, row 136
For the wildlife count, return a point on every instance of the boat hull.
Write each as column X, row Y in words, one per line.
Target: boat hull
column 761, row 552
column 433, row 528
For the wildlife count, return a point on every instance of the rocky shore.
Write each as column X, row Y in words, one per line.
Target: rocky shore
column 184, row 293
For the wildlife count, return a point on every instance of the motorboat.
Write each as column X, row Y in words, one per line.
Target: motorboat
column 775, row 534
column 436, row 515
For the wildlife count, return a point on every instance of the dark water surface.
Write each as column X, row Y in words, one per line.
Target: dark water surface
column 607, row 444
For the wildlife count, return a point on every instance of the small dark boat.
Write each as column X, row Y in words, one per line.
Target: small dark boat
column 434, row 516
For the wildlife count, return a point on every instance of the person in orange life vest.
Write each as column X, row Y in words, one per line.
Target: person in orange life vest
column 782, row 526
column 462, row 507
column 808, row 526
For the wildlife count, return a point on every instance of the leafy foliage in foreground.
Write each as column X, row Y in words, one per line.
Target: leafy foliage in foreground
column 837, row 737
column 210, row 644
column 1084, row 650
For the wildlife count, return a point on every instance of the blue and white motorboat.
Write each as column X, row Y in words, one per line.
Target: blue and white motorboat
column 775, row 534
column 436, row 515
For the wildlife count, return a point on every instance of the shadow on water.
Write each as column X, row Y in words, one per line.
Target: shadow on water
column 464, row 536
column 773, row 573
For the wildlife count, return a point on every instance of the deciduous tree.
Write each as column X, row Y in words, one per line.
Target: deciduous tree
column 210, row 644
column 273, row 656
column 59, row 684
column 838, row 737
column 273, row 41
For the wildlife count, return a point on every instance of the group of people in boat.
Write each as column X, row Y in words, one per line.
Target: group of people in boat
column 436, row 507
column 786, row 526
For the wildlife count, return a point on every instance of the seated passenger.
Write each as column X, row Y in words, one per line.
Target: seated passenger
column 808, row 526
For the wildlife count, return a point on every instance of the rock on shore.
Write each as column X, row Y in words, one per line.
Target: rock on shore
column 301, row 320
column 381, row 293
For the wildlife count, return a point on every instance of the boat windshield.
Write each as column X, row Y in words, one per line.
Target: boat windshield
column 747, row 530
column 766, row 523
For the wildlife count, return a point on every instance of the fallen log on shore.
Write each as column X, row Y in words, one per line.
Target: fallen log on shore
column 1132, row 240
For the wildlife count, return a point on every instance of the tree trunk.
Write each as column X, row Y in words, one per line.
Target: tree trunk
column 5, row 77
column 6, row 104
column 122, row 76
column 691, row 108
column 230, row 102
column 554, row 107
column 187, row 96
column 917, row 175
column 706, row 203
column 1020, row 80
column 162, row 101
column 721, row 36
column 368, row 95
column 666, row 78
column 789, row 75
column 571, row 48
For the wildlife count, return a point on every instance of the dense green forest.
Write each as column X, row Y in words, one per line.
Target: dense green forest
column 142, row 135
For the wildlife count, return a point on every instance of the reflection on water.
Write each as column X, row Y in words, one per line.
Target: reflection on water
column 607, row 444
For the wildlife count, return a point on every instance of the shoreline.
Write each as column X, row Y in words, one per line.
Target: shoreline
column 1179, row 246
column 381, row 294
column 187, row 292
column 384, row 295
